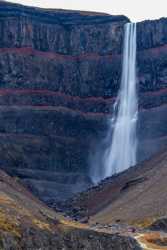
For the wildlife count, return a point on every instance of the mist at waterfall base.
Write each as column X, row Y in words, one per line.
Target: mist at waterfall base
column 118, row 150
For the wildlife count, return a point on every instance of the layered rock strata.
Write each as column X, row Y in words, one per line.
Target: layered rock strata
column 59, row 76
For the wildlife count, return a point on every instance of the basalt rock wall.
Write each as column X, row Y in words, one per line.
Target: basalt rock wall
column 60, row 72
column 52, row 75
column 152, row 83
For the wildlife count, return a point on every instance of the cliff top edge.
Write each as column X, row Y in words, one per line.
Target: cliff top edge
column 58, row 15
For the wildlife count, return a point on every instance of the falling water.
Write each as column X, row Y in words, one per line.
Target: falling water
column 121, row 152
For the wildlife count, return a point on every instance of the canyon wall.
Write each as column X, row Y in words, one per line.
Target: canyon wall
column 152, row 82
column 59, row 75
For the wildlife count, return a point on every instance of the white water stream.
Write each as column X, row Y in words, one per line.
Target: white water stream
column 121, row 152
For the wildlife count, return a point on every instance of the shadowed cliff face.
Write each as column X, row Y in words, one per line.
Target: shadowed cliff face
column 152, row 82
column 52, row 87
column 59, row 75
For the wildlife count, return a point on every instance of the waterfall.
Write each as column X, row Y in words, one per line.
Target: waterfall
column 121, row 151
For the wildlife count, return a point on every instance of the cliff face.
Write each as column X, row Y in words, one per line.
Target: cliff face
column 52, row 85
column 59, row 74
column 152, row 82
column 63, row 50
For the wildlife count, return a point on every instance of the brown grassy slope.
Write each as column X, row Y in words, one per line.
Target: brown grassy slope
column 26, row 223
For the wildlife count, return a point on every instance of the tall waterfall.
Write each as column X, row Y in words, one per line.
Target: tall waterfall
column 121, row 151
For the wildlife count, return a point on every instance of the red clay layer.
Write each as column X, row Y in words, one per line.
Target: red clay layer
column 156, row 93
column 64, row 103
column 58, row 109
column 35, row 137
column 46, row 92
column 65, row 110
column 93, row 100
column 155, row 51
column 53, row 55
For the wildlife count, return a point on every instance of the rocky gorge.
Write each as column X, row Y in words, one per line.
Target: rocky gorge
column 59, row 75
